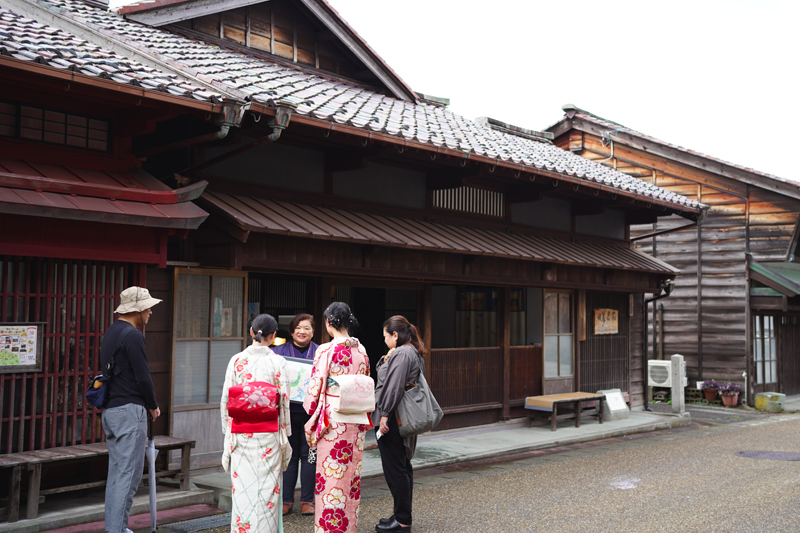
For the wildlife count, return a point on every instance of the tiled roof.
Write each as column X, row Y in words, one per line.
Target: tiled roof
column 612, row 126
column 26, row 39
column 256, row 78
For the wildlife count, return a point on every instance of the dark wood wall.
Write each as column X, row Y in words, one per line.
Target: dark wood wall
column 281, row 28
column 158, row 340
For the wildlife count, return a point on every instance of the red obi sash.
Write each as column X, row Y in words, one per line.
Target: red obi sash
column 253, row 407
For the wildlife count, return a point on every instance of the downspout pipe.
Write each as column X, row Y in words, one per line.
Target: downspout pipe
column 280, row 122
column 232, row 115
column 667, row 288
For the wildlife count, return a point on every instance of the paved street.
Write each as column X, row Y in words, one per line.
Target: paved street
column 684, row 479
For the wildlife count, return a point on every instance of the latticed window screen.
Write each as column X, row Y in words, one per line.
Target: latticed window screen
column 765, row 350
column 77, row 300
column 471, row 200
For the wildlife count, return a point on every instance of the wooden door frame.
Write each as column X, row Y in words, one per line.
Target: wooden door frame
column 196, row 271
column 572, row 376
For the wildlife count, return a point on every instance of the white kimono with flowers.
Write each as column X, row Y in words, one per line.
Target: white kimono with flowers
column 256, row 460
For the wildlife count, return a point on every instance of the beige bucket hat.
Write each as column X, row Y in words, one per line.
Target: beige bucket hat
column 135, row 299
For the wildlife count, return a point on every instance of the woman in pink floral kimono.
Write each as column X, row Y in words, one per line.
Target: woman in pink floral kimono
column 254, row 421
column 339, row 446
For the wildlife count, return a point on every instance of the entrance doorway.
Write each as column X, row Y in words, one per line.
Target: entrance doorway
column 371, row 307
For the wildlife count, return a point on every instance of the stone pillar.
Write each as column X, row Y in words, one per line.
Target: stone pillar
column 678, row 372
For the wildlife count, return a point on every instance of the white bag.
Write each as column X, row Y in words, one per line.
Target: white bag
column 352, row 398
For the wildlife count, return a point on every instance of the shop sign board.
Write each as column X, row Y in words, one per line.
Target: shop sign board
column 606, row 321
column 21, row 347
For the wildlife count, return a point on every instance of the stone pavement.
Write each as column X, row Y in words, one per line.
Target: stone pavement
column 505, row 438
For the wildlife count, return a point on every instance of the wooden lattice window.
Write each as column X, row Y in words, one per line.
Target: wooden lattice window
column 76, row 299
column 52, row 126
column 765, row 349
column 557, row 334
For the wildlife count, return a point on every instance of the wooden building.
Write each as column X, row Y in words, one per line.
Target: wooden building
column 732, row 310
column 329, row 179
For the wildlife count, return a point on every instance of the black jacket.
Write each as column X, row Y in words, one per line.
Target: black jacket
column 130, row 381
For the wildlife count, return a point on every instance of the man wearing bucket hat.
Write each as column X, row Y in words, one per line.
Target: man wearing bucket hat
column 130, row 396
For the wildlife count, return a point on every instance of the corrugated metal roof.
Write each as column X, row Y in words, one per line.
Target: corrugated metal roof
column 37, row 197
column 287, row 218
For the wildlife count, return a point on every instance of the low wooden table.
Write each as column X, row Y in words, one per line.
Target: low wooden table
column 537, row 405
column 34, row 460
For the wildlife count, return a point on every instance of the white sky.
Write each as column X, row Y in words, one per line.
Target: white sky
column 719, row 77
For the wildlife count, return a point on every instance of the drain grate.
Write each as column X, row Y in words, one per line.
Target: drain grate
column 773, row 456
column 197, row 524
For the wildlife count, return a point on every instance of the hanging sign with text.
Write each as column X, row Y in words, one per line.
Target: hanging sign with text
column 606, row 321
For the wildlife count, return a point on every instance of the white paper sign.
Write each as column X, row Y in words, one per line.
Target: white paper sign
column 615, row 401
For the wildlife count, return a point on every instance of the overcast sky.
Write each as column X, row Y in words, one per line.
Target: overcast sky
column 719, row 77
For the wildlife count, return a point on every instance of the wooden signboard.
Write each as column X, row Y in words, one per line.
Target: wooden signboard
column 21, row 347
column 606, row 321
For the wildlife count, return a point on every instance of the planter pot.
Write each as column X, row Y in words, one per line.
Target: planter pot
column 730, row 400
column 711, row 394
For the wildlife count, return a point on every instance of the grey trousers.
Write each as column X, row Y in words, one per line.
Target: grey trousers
column 126, row 435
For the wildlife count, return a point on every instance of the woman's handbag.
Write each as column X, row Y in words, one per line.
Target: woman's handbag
column 254, row 407
column 418, row 411
column 351, row 398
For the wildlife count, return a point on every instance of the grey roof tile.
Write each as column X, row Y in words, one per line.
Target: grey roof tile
column 258, row 79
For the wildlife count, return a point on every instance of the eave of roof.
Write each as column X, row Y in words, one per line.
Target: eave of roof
column 134, row 198
column 583, row 120
column 288, row 218
column 783, row 277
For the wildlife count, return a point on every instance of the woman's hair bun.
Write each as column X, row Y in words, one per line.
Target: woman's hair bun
column 339, row 316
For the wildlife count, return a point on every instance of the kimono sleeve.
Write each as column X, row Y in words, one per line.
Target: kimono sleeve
column 223, row 403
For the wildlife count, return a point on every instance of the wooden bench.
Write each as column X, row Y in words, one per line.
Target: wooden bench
column 547, row 407
column 33, row 461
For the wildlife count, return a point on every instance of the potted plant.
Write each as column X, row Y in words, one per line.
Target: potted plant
column 710, row 388
column 730, row 394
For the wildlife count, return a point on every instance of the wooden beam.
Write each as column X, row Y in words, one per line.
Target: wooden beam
column 504, row 336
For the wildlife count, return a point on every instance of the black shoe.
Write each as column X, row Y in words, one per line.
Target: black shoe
column 386, row 520
column 393, row 526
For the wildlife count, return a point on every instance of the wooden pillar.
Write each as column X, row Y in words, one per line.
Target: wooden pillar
column 324, row 297
column 425, row 323
column 504, row 336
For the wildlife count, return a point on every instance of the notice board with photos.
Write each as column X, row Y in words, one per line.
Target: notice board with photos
column 21, row 346
column 606, row 321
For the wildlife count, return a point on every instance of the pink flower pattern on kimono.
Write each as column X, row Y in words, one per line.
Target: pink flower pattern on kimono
column 334, row 521
column 355, row 488
column 339, row 445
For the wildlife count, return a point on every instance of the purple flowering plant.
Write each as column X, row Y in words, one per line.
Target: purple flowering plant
column 710, row 384
column 729, row 389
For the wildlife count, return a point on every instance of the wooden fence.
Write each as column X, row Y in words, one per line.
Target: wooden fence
column 77, row 300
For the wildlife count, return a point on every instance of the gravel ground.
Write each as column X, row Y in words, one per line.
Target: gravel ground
column 688, row 480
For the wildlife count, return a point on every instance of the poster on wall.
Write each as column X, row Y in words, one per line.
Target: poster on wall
column 606, row 321
column 21, row 347
column 299, row 373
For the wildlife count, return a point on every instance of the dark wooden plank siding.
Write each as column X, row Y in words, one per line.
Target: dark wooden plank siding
column 604, row 359
column 158, row 340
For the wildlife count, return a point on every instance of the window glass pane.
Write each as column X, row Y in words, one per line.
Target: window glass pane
column 771, row 351
column 565, row 355
column 774, row 376
column 564, row 314
column 550, row 313
column 476, row 317
column 193, row 306
column 221, row 353
column 191, row 372
column 760, row 373
column 226, row 320
column 550, row 356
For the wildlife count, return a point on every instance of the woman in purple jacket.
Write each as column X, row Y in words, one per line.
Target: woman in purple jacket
column 301, row 346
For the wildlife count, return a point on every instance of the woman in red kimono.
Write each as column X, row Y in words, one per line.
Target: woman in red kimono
column 339, row 446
